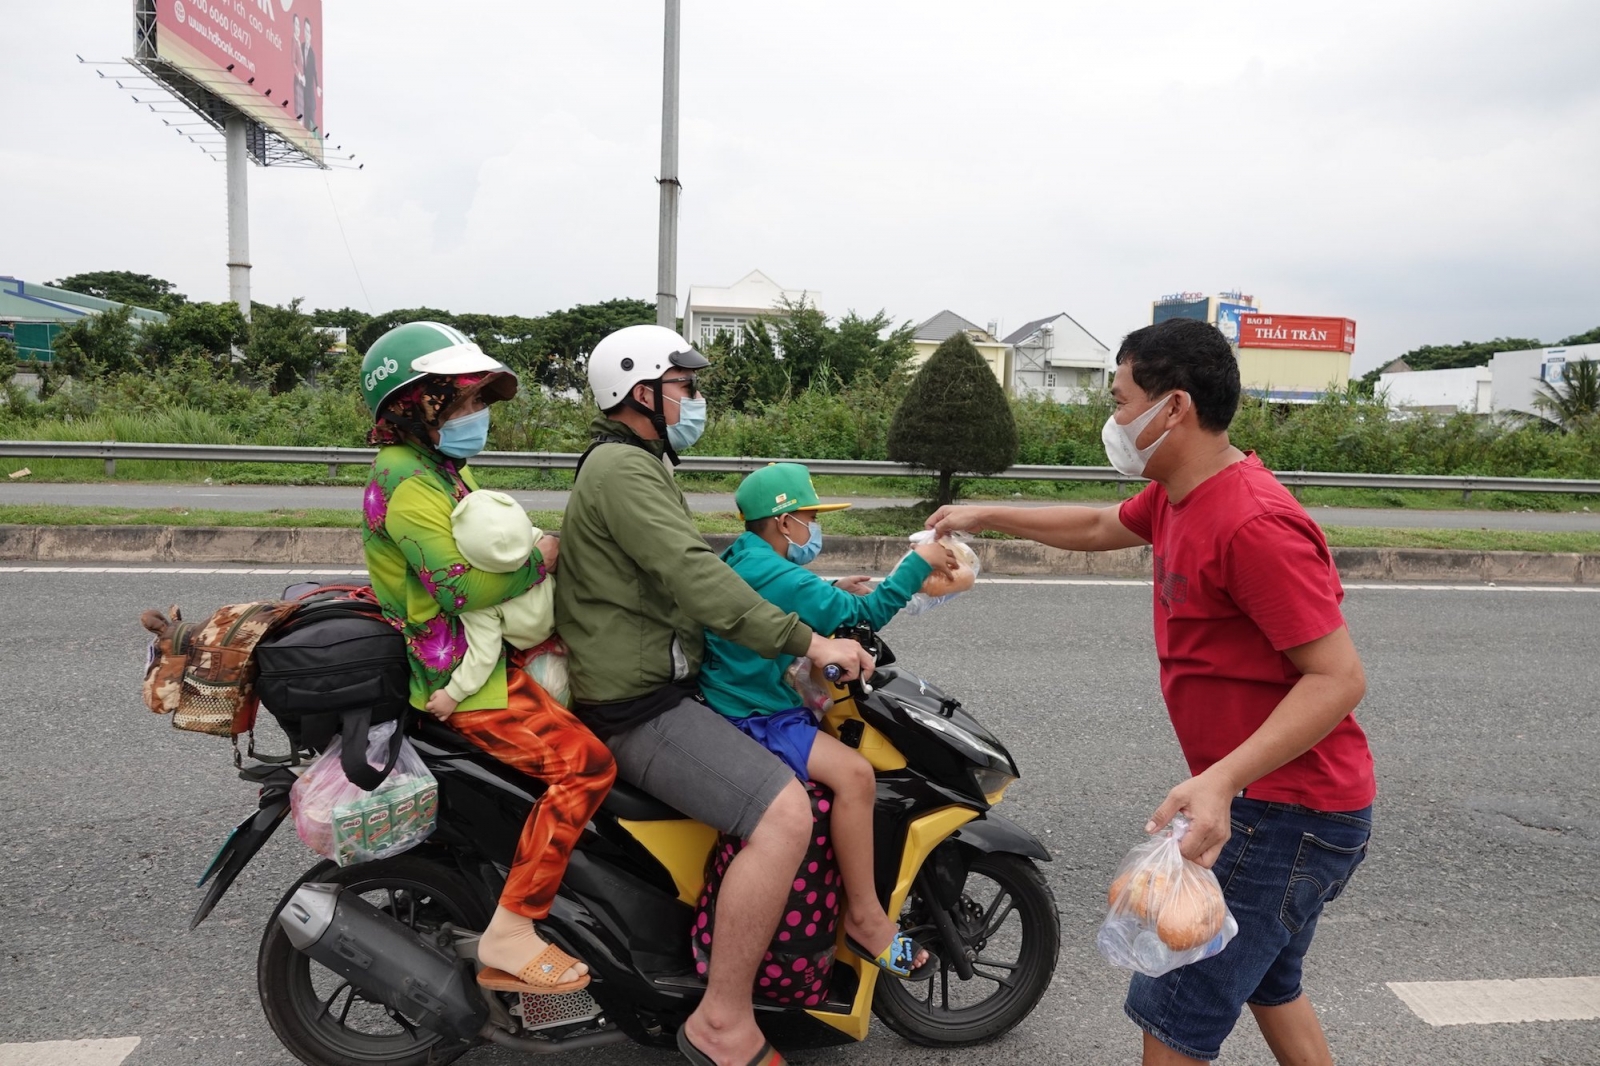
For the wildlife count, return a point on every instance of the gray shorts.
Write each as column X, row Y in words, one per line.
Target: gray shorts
column 694, row 759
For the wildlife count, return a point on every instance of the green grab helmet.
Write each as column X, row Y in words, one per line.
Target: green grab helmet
column 409, row 351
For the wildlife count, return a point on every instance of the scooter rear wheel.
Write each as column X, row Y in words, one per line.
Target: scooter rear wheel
column 320, row 1018
column 1009, row 926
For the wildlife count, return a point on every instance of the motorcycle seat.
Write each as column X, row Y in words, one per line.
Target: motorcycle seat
column 636, row 805
column 623, row 801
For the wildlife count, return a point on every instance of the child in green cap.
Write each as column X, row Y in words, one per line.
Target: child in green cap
column 779, row 506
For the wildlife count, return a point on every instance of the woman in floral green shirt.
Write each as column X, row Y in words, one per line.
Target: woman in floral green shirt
column 429, row 388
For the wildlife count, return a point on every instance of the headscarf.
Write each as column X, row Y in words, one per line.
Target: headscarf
column 414, row 409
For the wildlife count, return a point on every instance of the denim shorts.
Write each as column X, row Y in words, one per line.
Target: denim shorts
column 1282, row 863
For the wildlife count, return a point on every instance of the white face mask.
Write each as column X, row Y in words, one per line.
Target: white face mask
column 1121, row 441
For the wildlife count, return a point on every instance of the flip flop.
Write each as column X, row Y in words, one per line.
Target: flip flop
column 542, row 976
column 896, row 958
column 767, row 1056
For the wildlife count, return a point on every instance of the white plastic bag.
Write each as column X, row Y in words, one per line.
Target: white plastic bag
column 342, row 821
column 1165, row 911
column 547, row 665
column 941, row 587
column 814, row 693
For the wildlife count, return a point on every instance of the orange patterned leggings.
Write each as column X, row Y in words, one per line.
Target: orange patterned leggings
column 543, row 739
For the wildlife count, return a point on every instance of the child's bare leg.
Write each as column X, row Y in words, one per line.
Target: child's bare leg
column 849, row 775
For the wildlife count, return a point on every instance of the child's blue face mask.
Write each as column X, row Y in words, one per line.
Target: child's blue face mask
column 802, row 554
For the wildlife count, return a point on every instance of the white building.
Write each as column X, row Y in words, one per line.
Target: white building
column 711, row 310
column 1057, row 359
column 1517, row 374
column 1444, row 391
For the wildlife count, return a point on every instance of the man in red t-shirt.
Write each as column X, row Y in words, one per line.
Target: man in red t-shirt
column 1260, row 679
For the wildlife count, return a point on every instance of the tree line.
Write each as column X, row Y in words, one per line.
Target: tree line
column 283, row 346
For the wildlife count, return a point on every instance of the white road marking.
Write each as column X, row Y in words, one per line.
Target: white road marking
column 1537, row 999
column 1100, row 582
column 1129, row 582
column 318, row 571
column 1370, row 587
column 69, row 1052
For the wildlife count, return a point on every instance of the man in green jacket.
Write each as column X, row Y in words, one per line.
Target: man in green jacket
column 639, row 588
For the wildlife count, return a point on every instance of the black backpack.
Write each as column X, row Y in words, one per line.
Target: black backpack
column 336, row 667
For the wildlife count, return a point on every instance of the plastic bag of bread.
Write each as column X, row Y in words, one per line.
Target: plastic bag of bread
column 942, row 586
column 1165, row 911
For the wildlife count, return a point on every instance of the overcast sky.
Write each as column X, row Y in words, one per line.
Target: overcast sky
column 1430, row 168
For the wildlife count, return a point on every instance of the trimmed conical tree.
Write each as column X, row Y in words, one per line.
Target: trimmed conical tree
column 955, row 418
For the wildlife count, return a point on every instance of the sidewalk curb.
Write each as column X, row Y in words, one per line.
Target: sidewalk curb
column 189, row 545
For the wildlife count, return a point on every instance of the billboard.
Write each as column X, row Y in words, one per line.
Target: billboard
column 1189, row 305
column 264, row 57
column 1300, row 332
column 1228, row 318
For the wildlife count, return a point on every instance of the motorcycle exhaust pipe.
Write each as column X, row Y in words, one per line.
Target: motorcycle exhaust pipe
column 384, row 958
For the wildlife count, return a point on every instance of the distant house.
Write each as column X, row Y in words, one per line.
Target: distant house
column 711, row 309
column 1057, row 359
column 944, row 325
column 33, row 315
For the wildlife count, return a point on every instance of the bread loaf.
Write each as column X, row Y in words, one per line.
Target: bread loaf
column 962, row 578
column 1139, row 892
column 1192, row 915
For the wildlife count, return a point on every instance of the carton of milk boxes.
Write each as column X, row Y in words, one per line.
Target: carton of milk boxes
column 385, row 822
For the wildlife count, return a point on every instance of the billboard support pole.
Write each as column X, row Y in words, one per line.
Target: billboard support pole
column 667, row 247
column 238, row 214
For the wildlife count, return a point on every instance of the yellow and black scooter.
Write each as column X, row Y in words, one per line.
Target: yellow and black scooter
column 369, row 963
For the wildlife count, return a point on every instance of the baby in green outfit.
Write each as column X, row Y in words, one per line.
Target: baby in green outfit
column 494, row 534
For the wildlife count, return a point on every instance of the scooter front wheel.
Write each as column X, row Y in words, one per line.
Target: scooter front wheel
column 1009, row 929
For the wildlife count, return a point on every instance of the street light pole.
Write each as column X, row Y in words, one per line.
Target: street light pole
column 233, row 129
column 667, row 246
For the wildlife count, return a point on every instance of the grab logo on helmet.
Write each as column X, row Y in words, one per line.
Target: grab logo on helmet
column 381, row 371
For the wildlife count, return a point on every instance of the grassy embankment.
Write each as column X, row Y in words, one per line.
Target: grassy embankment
column 1344, row 433
column 886, row 521
column 153, row 471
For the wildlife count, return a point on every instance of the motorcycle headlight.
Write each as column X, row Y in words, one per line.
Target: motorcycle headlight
column 992, row 783
column 963, row 736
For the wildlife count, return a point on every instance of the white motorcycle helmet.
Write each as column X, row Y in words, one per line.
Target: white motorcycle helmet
column 633, row 354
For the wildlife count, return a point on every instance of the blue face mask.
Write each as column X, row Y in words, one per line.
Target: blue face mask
column 801, row 554
column 464, row 436
column 691, row 422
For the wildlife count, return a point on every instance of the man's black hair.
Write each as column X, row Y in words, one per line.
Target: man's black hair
column 1186, row 354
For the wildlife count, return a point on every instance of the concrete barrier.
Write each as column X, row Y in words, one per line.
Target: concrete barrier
column 202, row 545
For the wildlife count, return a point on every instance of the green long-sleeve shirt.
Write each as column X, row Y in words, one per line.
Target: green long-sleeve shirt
column 639, row 585
column 739, row 684
column 418, row 574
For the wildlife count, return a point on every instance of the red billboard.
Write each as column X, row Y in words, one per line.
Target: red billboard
column 262, row 56
column 1302, row 332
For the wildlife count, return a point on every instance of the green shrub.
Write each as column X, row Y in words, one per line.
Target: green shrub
column 955, row 418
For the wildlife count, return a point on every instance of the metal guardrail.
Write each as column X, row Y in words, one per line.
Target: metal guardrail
column 333, row 458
